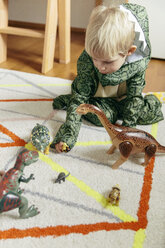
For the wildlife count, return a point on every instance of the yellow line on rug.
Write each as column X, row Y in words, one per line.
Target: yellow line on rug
column 85, row 188
column 139, row 238
column 93, row 143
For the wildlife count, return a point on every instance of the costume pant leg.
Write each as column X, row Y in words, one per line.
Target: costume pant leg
column 108, row 105
column 151, row 112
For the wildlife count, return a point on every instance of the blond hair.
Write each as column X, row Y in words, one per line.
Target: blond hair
column 109, row 32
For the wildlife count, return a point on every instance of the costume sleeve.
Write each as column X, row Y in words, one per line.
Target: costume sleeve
column 134, row 101
column 82, row 89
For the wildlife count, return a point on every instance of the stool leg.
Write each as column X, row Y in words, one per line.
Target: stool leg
column 50, row 36
column 3, row 24
column 64, row 7
column 98, row 2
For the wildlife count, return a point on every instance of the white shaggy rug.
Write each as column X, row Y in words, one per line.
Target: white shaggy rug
column 76, row 213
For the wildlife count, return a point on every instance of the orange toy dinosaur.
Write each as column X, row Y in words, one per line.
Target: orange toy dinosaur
column 128, row 140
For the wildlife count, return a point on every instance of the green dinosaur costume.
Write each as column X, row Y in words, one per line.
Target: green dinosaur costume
column 125, row 87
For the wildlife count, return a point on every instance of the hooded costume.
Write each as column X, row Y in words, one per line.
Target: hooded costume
column 118, row 94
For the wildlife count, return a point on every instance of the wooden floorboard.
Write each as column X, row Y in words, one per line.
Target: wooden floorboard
column 25, row 54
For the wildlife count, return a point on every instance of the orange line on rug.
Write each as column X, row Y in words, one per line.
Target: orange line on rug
column 87, row 228
column 65, row 230
column 17, row 141
column 26, row 100
column 145, row 194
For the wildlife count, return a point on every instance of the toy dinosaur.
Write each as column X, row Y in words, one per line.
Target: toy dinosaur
column 65, row 148
column 10, row 193
column 1, row 174
column 61, row 177
column 40, row 138
column 114, row 195
column 128, row 140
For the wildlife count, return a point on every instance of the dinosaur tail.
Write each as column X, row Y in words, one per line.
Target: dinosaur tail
column 67, row 175
column 161, row 149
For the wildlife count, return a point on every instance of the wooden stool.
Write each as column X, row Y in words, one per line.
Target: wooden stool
column 55, row 11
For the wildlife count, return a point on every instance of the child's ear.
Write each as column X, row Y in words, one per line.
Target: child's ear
column 131, row 50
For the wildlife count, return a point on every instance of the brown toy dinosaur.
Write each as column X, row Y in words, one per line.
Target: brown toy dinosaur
column 128, row 140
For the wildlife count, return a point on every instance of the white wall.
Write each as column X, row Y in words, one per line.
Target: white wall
column 80, row 12
column 156, row 15
column 35, row 11
column 113, row 2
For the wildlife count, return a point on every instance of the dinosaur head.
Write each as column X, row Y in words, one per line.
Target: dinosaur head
column 25, row 158
column 84, row 108
column 40, row 137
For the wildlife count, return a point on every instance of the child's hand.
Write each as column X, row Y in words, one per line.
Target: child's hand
column 62, row 147
column 59, row 147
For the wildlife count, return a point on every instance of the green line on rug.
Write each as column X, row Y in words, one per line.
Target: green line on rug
column 39, row 84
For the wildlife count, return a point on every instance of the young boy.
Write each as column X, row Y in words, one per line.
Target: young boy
column 111, row 73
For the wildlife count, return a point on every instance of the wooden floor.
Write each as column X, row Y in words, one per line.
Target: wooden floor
column 25, row 54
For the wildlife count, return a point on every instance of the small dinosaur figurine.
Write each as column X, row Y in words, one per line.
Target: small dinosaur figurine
column 61, row 177
column 10, row 193
column 40, row 138
column 65, row 148
column 128, row 140
column 114, row 195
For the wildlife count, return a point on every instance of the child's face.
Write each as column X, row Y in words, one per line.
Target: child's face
column 108, row 66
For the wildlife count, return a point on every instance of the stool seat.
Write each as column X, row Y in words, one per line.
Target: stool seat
column 57, row 11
